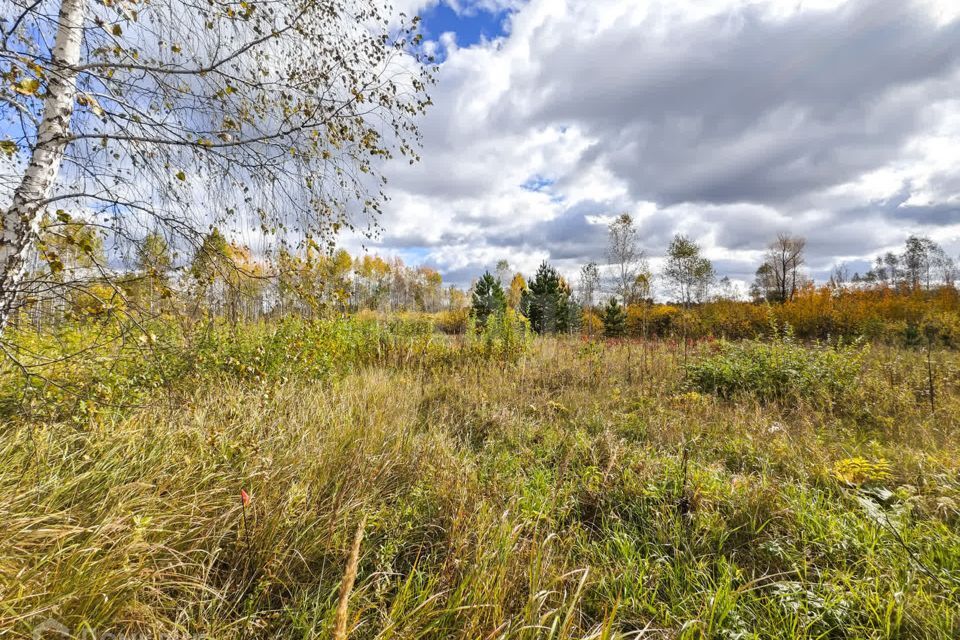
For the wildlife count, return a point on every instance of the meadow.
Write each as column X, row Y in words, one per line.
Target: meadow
column 497, row 485
column 218, row 422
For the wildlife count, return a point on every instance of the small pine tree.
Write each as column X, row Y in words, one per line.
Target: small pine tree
column 614, row 320
column 546, row 303
column 488, row 298
column 569, row 315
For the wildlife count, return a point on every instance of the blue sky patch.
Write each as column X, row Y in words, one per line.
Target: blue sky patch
column 414, row 255
column 537, row 183
column 471, row 25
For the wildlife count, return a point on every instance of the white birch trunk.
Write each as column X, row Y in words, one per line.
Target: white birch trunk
column 21, row 222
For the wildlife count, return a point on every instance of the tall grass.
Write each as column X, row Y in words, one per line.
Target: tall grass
column 579, row 490
column 781, row 369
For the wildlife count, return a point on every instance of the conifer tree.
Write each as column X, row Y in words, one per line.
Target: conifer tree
column 568, row 310
column 614, row 319
column 488, row 298
column 546, row 302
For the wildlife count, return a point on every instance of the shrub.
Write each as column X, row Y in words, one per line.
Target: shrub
column 591, row 324
column 735, row 320
column 505, row 335
column 661, row 319
column 815, row 313
column 777, row 370
column 96, row 302
column 940, row 328
column 122, row 366
column 689, row 326
column 452, row 322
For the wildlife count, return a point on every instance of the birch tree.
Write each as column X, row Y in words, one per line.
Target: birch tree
column 272, row 116
column 687, row 272
column 589, row 283
column 627, row 259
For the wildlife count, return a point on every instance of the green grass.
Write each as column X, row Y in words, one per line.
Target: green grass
column 778, row 370
column 580, row 491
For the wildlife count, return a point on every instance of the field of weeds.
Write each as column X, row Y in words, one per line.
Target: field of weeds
column 558, row 488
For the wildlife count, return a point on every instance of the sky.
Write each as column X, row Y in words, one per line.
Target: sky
column 726, row 120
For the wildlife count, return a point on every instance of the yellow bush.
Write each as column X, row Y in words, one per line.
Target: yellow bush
column 735, row 320
column 97, row 301
column 453, row 321
column 662, row 318
column 591, row 323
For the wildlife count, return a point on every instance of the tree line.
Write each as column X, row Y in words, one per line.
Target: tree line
column 610, row 290
column 224, row 279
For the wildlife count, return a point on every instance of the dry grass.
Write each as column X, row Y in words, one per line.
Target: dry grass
column 584, row 492
column 346, row 587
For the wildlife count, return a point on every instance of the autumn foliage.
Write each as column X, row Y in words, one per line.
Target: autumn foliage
column 815, row 313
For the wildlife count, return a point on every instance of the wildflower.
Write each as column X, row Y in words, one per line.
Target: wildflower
column 244, row 498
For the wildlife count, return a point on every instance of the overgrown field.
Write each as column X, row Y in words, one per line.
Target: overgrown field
column 508, row 488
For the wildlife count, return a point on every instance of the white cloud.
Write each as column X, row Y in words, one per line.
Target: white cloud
column 729, row 120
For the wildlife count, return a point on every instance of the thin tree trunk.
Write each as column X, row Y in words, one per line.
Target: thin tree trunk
column 21, row 222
